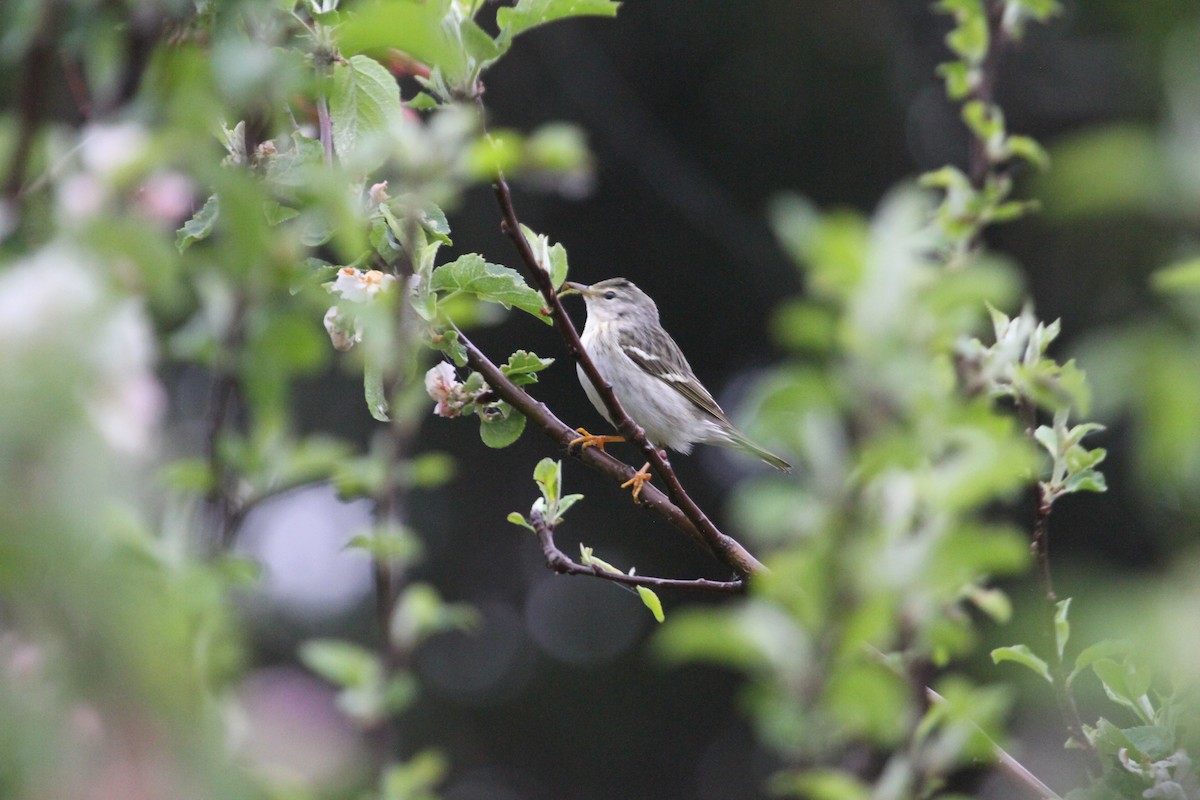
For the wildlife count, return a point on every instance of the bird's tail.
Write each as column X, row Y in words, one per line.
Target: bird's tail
column 750, row 447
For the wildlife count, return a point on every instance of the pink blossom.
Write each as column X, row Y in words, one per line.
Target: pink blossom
column 443, row 386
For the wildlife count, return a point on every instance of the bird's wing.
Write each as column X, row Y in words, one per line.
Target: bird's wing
column 656, row 352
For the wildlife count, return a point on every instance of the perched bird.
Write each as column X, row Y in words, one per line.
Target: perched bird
column 651, row 377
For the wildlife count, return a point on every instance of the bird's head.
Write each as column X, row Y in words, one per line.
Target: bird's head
column 615, row 299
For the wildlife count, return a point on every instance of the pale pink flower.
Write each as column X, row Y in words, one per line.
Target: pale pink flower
column 343, row 332
column 443, row 386
column 378, row 193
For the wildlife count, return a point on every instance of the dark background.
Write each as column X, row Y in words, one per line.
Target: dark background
column 698, row 113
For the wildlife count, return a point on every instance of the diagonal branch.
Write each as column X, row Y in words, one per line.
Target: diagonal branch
column 561, row 563
column 723, row 547
column 652, row 498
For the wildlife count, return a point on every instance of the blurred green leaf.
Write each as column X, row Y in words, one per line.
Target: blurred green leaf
column 421, row 612
column 416, row 778
column 376, row 394
column 1132, row 180
column 342, row 663
column 528, row 14
column 1182, row 278
column 819, row 784
column 200, row 226
column 1021, row 654
column 1099, row 650
column 387, row 544
column 1062, row 626
column 364, row 97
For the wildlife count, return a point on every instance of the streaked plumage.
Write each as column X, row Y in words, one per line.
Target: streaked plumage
column 650, row 374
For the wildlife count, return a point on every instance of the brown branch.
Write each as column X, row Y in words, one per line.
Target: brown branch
column 725, row 548
column 561, row 563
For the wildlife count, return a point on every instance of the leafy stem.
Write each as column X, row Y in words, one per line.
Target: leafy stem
column 563, row 564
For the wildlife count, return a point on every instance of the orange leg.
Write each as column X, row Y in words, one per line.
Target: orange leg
column 637, row 481
column 592, row 440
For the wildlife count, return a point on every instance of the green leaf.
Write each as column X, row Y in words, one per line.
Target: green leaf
column 1062, row 626
column 1021, row 654
column 1028, row 149
column 1102, row 649
column 517, row 518
column 551, row 258
column 500, row 424
column 492, row 282
column 565, row 503
column 1124, row 683
column 652, row 602
column 416, row 778
column 200, row 226
column 548, row 474
column 364, row 97
column 434, row 32
column 523, row 366
column 424, row 30
column 342, row 663
column 1089, row 480
column 376, row 396
column 423, row 102
column 528, row 14
column 448, row 342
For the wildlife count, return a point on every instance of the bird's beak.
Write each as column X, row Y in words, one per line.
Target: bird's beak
column 570, row 287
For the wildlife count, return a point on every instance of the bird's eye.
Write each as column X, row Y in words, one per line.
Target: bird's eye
column 610, row 294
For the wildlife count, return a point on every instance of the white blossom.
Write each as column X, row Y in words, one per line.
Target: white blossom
column 358, row 286
column 53, row 306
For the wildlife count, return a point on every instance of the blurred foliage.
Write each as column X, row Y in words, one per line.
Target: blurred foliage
column 238, row 174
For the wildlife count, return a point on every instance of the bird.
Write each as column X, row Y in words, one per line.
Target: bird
column 651, row 377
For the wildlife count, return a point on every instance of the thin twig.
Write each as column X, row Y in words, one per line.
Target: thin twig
column 561, row 563
column 1040, row 546
column 722, row 546
column 226, row 387
column 1006, row 763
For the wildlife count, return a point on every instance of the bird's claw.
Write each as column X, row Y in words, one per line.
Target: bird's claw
column 637, row 481
column 592, row 440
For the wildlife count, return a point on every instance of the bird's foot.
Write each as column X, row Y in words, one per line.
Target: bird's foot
column 637, row 481
column 592, row 440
